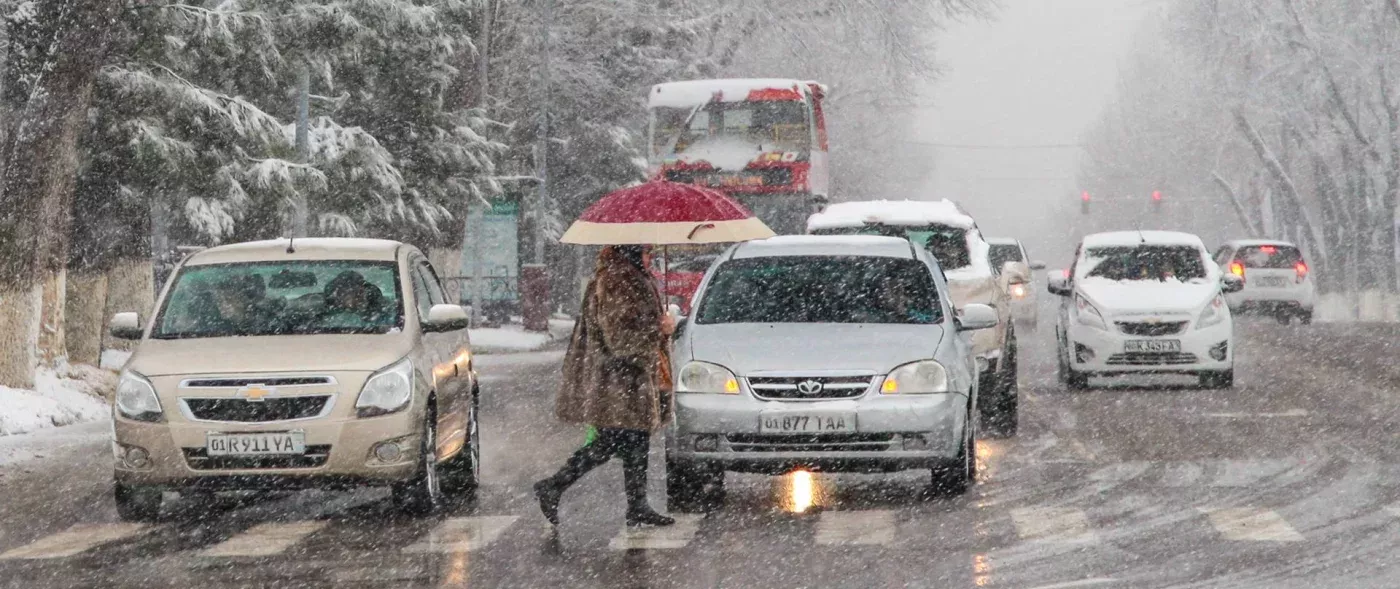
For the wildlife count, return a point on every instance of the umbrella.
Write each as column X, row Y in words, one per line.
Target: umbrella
column 665, row 213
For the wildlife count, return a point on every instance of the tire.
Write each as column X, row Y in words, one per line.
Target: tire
column 1218, row 380
column 1075, row 380
column 422, row 494
column 999, row 414
column 692, row 488
column 136, row 503
column 1283, row 317
column 954, row 478
column 462, row 475
column 1305, row 318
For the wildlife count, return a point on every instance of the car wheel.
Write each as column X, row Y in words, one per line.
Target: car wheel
column 137, row 503
column 1305, row 318
column 422, row 494
column 692, row 487
column 1283, row 317
column 1218, row 380
column 1000, row 413
column 1076, row 380
column 462, row 475
column 954, row 477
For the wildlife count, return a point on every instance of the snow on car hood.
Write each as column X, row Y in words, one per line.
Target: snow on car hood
column 282, row 353
column 1147, row 297
column 751, row 347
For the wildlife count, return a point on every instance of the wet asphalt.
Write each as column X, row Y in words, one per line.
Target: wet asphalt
column 1292, row 479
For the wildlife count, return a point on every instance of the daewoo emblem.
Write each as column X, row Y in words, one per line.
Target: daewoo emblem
column 255, row 392
column 810, row 387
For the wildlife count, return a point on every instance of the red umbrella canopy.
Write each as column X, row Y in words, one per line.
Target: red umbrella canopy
column 665, row 213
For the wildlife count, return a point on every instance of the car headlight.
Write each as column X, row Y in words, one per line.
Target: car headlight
column 136, row 398
column 387, row 391
column 1213, row 314
column 1088, row 314
column 703, row 377
column 918, row 378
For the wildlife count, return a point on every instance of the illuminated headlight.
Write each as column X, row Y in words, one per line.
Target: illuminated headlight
column 1088, row 314
column 1213, row 314
column 915, row 379
column 387, row 391
column 136, row 398
column 703, row 377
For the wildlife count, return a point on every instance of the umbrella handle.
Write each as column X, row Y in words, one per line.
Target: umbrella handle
column 697, row 229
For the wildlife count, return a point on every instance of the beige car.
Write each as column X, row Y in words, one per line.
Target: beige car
column 951, row 235
column 324, row 363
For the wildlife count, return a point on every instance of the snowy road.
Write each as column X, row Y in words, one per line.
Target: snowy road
column 1291, row 480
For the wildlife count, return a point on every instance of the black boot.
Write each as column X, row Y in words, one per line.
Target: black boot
column 549, row 493
column 645, row 516
column 634, row 479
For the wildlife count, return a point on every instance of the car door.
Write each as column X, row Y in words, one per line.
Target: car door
column 447, row 353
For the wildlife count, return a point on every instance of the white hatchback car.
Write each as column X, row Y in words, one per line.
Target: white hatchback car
column 1277, row 280
column 1145, row 302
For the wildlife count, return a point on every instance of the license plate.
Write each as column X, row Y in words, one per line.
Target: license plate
column 807, row 423
column 1271, row 281
column 254, row 444
column 1152, row 345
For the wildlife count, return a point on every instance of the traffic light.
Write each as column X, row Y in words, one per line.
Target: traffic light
column 1156, row 201
column 1084, row 203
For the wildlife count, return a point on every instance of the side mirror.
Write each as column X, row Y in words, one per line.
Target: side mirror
column 975, row 316
column 1059, row 286
column 446, row 318
column 1230, row 283
column 125, row 326
column 1037, row 265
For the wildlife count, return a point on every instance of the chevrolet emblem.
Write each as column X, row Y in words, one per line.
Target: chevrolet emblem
column 255, row 392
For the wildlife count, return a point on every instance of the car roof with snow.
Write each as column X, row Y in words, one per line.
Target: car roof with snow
column 1003, row 240
column 314, row 248
column 891, row 212
column 826, row 245
column 1254, row 242
column 1132, row 238
column 693, row 93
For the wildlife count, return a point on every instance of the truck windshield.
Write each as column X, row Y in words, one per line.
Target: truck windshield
column 821, row 289
column 759, row 126
column 947, row 244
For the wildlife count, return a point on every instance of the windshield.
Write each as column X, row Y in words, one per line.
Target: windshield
column 821, row 290
column 282, row 298
column 1148, row 262
column 758, row 126
column 1003, row 253
column 947, row 244
column 1270, row 257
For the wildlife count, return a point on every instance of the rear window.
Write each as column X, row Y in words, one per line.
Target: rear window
column 1003, row 253
column 947, row 244
column 821, row 289
column 1269, row 256
column 1147, row 262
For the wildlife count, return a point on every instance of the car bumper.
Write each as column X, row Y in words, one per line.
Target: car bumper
column 1097, row 351
column 339, row 452
column 893, row 432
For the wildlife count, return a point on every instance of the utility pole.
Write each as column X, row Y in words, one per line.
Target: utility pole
column 300, row 211
column 471, row 238
column 542, row 155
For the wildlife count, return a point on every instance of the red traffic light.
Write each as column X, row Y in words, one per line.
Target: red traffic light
column 1084, row 197
column 1157, row 195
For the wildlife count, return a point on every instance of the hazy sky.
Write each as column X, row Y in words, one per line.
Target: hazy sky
column 1038, row 72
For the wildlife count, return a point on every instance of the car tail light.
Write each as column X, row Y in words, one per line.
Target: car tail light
column 1018, row 291
column 1302, row 269
column 1237, row 268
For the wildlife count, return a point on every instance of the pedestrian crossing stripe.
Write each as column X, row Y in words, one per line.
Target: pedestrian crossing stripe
column 872, row 527
column 463, row 534
column 264, row 539
column 1053, row 524
column 74, row 540
column 671, row 537
column 1251, row 525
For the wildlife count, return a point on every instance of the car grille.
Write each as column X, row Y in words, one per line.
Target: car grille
column 810, row 387
column 1151, row 329
column 284, row 381
column 1151, row 359
column 314, row 457
column 245, row 411
column 810, row 443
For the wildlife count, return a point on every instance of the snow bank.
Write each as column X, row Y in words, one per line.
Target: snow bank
column 514, row 338
column 891, row 212
column 693, row 93
column 67, row 395
column 1370, row 306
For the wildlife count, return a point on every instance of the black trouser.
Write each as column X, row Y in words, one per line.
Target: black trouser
column 631, row 445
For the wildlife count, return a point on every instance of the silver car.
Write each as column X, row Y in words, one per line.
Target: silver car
column 838, row 353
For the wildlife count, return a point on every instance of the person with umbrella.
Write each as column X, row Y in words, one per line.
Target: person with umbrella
column 617, row 371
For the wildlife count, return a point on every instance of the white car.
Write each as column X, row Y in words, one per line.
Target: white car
column 1139, row 302
column 1024, row 306
column 1277, row 280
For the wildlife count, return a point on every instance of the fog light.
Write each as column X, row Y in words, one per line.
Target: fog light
column 706, row 443
column 137, row 457
column 1083, row 353
column 916, row 442
column 388, row 452
column 1220, row 351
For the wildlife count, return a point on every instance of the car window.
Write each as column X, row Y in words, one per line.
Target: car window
column 1148, row 262
column 821, row 289
column 281, row 298
column 434, row 286
column 1269, row 256
column 421, row 295
column 1003, row 253
column 947, row 244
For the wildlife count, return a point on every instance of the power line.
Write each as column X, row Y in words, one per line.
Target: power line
column 1005, row 147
